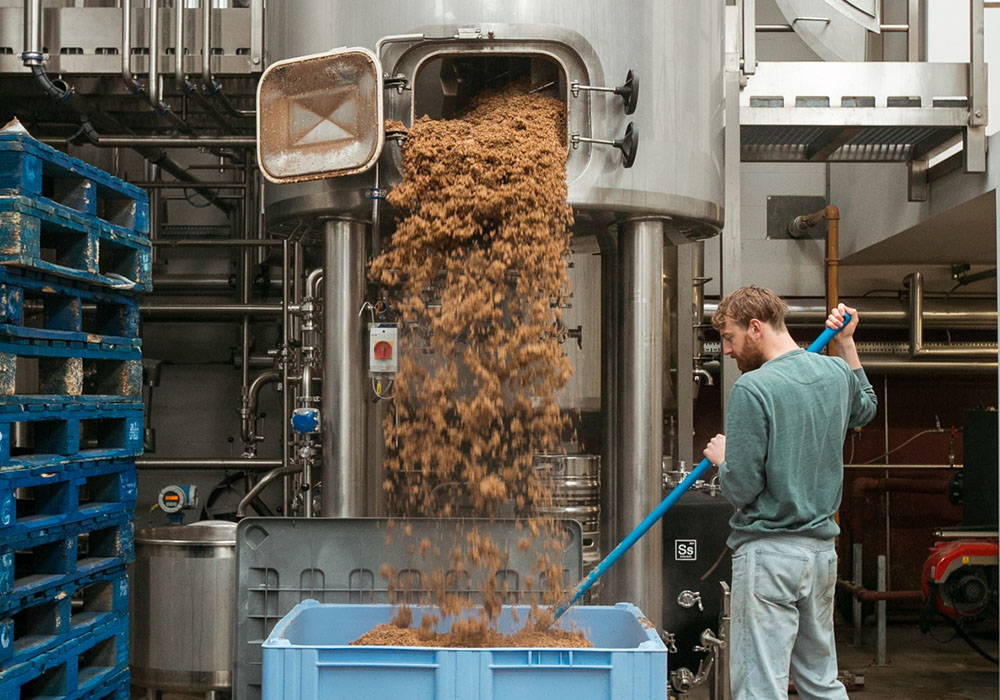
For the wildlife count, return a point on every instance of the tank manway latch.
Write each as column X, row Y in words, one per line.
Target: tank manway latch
column 628, row 144
column 629, row 90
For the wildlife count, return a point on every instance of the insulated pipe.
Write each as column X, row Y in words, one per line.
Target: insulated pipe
column 639, row 576
column 344, row 404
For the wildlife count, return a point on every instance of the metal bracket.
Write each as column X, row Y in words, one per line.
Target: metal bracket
column 399, row 81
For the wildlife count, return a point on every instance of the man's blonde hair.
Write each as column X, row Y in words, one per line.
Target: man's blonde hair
column 747, row 303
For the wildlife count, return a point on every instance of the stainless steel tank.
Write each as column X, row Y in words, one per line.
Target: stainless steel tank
column 675, row 47
column 575, row 484
column 673, row 193
column 183, row 593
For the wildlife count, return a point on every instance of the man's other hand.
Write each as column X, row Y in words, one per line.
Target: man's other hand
column 716, row 449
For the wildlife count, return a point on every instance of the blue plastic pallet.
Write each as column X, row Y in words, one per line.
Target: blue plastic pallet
column 118, row 687
column 63, row 431
column 68, row 370
column 43, row 236
column 41, row 498
column 307, row 657
column 84, row 667
column 47, row 622
column 34, row 168
column 38, row 306
column 32, row 568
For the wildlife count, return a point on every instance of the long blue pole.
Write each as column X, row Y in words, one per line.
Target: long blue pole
column 667, row 503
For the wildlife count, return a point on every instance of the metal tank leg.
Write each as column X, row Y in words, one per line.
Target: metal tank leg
column 610, row 310
column 344, row 406
column 639, row 574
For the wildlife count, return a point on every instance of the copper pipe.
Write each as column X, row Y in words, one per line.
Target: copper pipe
column 868, row 596
column 797, row 228
column 861, row 485
column 832, row 216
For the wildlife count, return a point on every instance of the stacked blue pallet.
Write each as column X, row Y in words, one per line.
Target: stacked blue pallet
column 74, row 254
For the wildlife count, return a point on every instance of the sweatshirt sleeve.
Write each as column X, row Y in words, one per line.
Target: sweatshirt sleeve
column 863, row 400
column 741, row 475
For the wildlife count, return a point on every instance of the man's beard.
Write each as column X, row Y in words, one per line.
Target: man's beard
column 751, row 358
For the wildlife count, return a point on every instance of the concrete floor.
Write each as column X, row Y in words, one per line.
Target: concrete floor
column 921, row 667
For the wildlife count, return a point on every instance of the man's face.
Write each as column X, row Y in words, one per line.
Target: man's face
column 742, row 344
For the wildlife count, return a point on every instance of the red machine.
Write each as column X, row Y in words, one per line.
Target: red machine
column 961, row 577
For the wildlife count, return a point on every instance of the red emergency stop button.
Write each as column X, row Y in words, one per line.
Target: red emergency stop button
column 382, row 350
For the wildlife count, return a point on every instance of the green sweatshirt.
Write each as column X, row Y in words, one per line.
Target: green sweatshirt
column 785, row 429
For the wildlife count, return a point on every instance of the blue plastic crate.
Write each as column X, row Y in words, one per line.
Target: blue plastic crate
column 46, row 622
column 90, row 666
column 114, row 320
column 66, row 430
column 31, row 167
column 307, row 657
column 43, row 236
column 35, row 566
column 40, row 498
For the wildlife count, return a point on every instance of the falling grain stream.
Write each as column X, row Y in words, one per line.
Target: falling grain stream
column 477, row 269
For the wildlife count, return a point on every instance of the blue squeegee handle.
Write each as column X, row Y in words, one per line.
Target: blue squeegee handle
column 667, row 503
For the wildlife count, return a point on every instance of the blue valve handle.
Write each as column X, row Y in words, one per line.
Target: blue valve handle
column 668, row 502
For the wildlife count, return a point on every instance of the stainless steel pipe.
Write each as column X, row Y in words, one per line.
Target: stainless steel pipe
column 32, row 54
column 168, row 141
column 127, row 76
column 344, row 404
column 207, row 81
column 179, row 80
column 147, row 463
column 153, row 67
column 196, row 312
column 264, row 482
column 971, row 313
column 639, row 573
column 610, row 296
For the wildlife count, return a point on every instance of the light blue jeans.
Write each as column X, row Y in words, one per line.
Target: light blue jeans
column 782, row 619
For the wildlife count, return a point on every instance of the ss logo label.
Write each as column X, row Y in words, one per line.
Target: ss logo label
column 685, row 550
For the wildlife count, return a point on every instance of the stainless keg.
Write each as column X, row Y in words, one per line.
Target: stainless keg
column 575, row 485
column 183, row 598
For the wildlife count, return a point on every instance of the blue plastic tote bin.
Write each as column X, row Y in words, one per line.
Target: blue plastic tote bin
column 307, row 657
